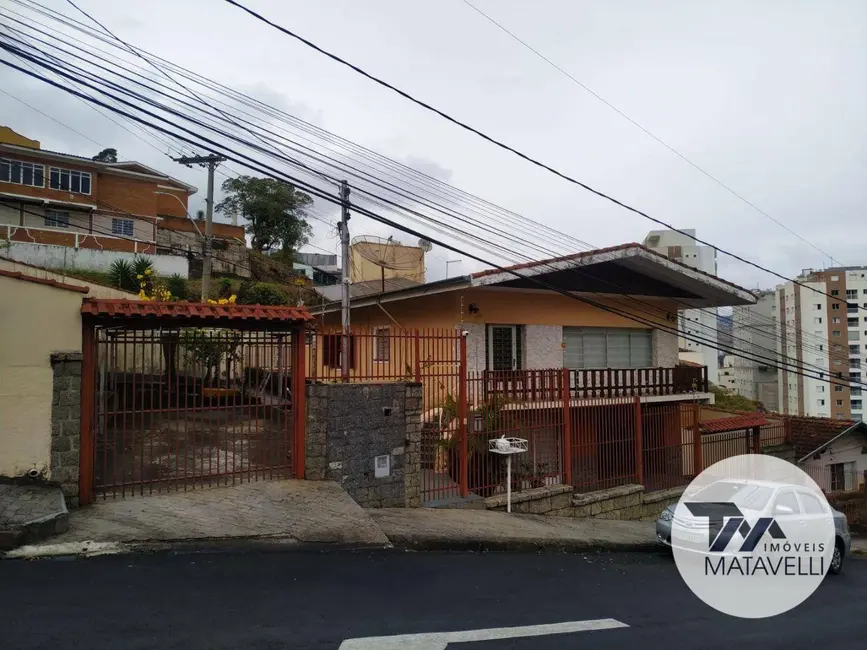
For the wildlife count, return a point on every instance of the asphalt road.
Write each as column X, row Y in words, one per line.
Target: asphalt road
column 304, row 599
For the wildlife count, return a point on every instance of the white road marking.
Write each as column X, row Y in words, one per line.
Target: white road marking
column 440, row 640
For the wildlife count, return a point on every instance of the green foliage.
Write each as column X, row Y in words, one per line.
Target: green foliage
column 121, row 274
column 726, row 399
column 275, row 212
column 178, row 286
column 261, row 293
column 141, row 264
column 106, row 155
column 225, row 288
column 209, row 348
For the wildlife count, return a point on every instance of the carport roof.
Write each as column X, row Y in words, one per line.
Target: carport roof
column 144, row 310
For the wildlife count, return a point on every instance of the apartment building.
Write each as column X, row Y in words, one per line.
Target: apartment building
column 52, row 201
column 694, row 323
column 827, row 336
column 754, row 332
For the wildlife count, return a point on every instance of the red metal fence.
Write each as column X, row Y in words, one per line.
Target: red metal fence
column 187, row 407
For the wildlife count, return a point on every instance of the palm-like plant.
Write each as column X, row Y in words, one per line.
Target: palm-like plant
column 121, row 274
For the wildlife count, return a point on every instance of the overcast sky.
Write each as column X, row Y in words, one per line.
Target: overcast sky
column 768, row 96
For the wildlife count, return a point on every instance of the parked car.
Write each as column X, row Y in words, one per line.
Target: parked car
column 760, row 498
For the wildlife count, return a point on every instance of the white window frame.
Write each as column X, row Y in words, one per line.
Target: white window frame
column 53, row 222
column 382, row 337
column 121, row 231
column 608, row 330
column 71, row 173
column 9, row 165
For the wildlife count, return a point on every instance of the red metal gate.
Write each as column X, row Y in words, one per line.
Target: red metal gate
column 179, row 403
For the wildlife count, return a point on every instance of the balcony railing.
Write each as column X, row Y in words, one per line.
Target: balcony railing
column 594, row 382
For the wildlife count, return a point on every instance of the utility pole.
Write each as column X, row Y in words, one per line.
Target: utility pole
column 345, row 347
column 210, row 161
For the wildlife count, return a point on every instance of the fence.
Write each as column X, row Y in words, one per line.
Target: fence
column 591, row 428
column 175, row 408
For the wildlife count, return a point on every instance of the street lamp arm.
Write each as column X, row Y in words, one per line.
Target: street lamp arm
column 176, row 198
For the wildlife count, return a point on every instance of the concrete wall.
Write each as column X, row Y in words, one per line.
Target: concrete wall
column 349, row 426
column 230, row 255
column 94, row 290
column 59, row 257
column 665, row 353
column 543, row 347
column 36, row 321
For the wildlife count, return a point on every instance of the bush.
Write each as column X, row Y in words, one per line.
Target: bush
column 178, row 286
column 261, row 293
column 121, row 274
column 142, row 263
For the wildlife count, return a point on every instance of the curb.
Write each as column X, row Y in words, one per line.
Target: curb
column 89, row 549
column 422, row 543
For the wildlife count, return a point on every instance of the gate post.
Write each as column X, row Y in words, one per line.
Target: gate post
column 567, row 426
column 462, row 418
column 299, row 401
column 697, row 461
column 639, row 440
column 88, row 403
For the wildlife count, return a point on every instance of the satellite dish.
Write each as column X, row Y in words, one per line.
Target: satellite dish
column 386, row 254
column 425, row 245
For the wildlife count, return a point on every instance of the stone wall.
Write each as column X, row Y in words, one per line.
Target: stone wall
column 627, row 502
column 536, row 501
column 350, row 426
column 66, row 423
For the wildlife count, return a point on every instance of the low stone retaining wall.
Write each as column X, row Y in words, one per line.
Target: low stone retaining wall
column 536, row 501
column 627, row 502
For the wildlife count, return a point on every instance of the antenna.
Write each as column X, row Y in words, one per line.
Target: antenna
column 425, row 245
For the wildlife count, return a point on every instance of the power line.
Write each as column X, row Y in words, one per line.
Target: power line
column 651, row 305
column 254, row 164
column 702, row 324
column 404, row 208
column 507, row 147
column 646, row 131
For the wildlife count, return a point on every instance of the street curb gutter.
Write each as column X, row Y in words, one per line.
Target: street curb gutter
column 90, row 549
column 528, row 545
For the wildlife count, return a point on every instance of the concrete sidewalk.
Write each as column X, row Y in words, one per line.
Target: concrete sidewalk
column 455, row 529
column 291, row 512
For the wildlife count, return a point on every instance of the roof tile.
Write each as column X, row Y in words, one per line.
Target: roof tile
column 735, row 423
column 808, row 434
column 145, row 309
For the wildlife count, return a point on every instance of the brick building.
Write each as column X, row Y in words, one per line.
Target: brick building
column 58, row 199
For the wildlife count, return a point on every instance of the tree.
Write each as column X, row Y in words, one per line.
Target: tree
column 275, row 212
column 106, row 155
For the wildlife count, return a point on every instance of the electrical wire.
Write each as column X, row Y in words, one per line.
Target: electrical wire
column 507, row 147
column 251, row 162
column 224, row 87
column 145, row 111
column 646, row 131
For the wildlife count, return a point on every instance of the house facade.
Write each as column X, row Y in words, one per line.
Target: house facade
column 606, row 309
column 831, row 451
column 52, row 199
